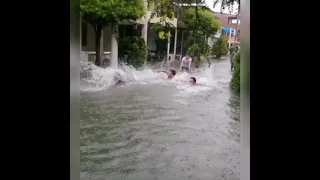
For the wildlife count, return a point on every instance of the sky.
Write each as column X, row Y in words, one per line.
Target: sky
column 217, row 8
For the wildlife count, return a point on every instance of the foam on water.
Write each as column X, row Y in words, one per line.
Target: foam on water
column 94, row 78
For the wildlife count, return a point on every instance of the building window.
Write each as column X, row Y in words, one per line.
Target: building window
column 230, row 20
column 84, row 32
column 233, row 20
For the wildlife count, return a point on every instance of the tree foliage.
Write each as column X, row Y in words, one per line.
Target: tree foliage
column 199, row 51
column 220, row 48
column 100, row 13
column 103, row 12
column 227, row 4
column 205, row 23
column 163, row 9
column 202, row 25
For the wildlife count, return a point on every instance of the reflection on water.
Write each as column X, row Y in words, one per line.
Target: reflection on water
column 161, row 129
column 234, row 106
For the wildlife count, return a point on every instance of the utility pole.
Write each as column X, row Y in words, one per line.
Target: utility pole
column 145, row 24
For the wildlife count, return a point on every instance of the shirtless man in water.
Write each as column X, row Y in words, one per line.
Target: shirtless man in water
column 171, row 73
column 186, row 63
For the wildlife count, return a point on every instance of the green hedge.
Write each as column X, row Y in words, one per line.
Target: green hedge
column 220, row 48
column 235, row 81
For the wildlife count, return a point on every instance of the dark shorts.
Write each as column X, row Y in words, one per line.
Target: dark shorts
column 185, row 68
column 232, row 65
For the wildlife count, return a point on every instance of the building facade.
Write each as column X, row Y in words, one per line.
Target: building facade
column 139, row 27
column 230, row 28
column 142, row 27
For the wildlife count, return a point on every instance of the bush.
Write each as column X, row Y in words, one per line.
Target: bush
column 220, row 48
column 133, row 51
column 235, row 81
column 246, row 71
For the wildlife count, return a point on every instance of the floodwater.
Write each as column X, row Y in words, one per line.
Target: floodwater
column 159, row 129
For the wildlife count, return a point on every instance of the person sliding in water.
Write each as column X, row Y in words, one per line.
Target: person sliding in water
column 171, row 73
column 118, row 79
column 186, row 63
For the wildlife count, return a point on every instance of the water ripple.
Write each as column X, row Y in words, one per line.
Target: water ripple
column 161, row 131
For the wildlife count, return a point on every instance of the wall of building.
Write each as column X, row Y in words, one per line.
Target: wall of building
column 90, row 46
column 224, row 19
column 152, row 36
column 90, row 35
column 228, row 21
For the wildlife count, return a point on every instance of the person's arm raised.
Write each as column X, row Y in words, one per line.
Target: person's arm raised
column 190, row 64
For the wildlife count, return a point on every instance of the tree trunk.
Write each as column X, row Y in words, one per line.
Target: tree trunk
column 98, row 44
column 114, row 46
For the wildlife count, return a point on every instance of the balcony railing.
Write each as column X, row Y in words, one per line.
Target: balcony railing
column 232, row 39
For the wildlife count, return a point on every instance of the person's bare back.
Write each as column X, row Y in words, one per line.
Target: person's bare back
column 171, row 73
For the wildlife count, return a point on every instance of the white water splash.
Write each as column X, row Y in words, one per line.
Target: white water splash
column 94, row 78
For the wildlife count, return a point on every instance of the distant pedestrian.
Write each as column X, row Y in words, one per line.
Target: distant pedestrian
column 232, row 58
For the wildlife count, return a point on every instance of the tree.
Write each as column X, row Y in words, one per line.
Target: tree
column 163, row 9
column 220, row 48
column 202, row 25
column 100, row 13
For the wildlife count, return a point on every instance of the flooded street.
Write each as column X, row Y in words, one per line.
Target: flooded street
column 156, row 129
